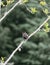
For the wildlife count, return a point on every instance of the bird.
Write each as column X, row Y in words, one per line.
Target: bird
column 24, row 35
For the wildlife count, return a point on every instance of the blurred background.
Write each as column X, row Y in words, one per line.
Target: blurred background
column 36, row 51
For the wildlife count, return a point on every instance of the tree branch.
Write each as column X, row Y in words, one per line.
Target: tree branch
column 19, row 2
column 24, row 41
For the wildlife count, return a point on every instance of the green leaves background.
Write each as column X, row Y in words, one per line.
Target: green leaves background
column 37, row 49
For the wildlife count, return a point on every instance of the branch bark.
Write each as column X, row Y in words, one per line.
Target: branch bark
column 24, row 41
column 19, row 2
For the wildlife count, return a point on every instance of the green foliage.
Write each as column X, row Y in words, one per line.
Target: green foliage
column 36, row 51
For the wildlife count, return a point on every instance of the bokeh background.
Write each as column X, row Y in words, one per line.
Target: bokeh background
column 36, row 51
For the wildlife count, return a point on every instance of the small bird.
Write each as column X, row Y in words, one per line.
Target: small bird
column 25, row 35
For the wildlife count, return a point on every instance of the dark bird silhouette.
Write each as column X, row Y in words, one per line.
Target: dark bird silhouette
column 25, row 35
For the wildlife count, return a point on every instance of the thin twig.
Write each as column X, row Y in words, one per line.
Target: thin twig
column 24, row 41
column 19, row 2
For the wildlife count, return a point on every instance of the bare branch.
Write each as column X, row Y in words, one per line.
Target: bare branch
column 24, row 41
column 19, row 2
